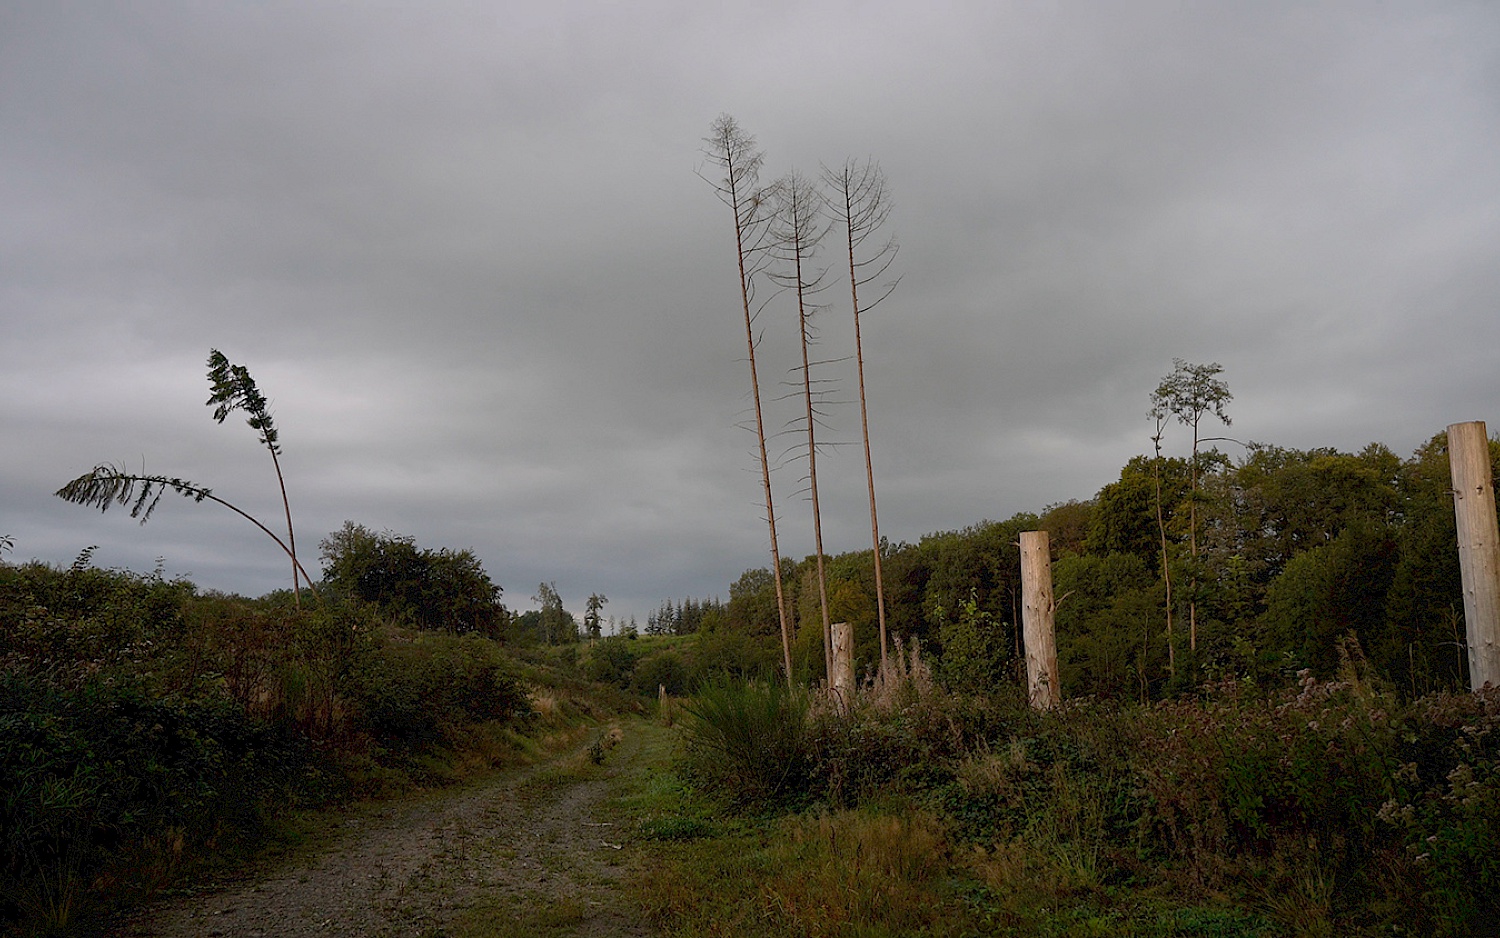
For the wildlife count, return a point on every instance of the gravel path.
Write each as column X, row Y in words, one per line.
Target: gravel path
column 524, row 852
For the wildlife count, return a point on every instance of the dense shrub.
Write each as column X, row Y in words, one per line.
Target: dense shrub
column 141, row 723
column 1333, row 803
column 411, row 689
column 91, row 776
column 612, row 661
column 662, row 671
column 70, row 627
column 747, row 741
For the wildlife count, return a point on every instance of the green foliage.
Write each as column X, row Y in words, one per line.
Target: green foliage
column 413, row 692
column 591, row 617
column 96, row 774
column 444, row 590
column 612, row 661
column 975, row 658
column 106, row 485
column 729, row 653
column 1191, row 391
column 1331, row 805
column 664, row 670
column 143, row 724
column 747, row 741
column 752, row 603
column 688, row 616
column 1108, row 624
column 1124, row 517
column 1328, row 592
column 232, row 389
column 555, row 625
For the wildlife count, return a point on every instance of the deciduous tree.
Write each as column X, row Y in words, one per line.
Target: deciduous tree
column 1190, row 393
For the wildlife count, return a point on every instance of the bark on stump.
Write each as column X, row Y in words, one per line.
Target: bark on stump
column 1036, row 614
column 1478, row 548
column 842, row 679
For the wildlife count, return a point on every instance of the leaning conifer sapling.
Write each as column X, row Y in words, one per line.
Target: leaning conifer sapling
column 232, row 388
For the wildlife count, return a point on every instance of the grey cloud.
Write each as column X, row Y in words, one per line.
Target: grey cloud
column 464, row 251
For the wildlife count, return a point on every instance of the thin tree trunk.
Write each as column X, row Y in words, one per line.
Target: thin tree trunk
column 797, row 237
column 864, row 208
column 735, row 152
column 1166, row 571
column 291, row 536
column 864, row 421
column 1193, row 549
column 812, row 480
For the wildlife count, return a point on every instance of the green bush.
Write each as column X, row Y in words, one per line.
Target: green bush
column 663, row 670
column 612, row 661
column 975, row 659
column 412, row 690
column 92, row 776
column 81, row 624
column 747, row 742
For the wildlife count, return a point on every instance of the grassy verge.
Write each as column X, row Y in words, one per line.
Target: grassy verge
column 921, row 818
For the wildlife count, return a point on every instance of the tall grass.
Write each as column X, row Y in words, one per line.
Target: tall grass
column 747, row 741
column 1330, row 807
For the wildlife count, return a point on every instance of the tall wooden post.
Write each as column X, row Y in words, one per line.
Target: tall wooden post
column 1478, row 547
column 842, row 679
column 1036, row 615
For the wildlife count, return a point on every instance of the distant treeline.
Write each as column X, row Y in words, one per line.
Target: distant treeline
column 1298, row 550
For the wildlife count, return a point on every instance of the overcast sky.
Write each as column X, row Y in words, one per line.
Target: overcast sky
column 465, row 250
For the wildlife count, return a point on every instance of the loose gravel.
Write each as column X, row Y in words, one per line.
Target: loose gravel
column 524, row 852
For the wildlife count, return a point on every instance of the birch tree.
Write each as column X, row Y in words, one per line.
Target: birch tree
column 1190, row 393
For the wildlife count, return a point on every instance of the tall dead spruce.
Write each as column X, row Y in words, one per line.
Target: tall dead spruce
column 860, row 203
column 733, row 152
column 799, row 229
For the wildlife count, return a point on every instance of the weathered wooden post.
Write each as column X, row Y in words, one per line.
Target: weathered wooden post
column 842, row 679
column 1036, row 614
column 1478, row 547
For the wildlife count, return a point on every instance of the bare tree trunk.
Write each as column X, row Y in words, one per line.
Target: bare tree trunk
column 1166, row 570
column 1478, row 548
column 798, row 234
column 734, row 152
column 1037, row 607
column 291, row 537
column 841, row 680
column 1193, row 548
column 861, row 204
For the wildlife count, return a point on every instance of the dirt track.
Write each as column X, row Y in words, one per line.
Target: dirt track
column 524, row 852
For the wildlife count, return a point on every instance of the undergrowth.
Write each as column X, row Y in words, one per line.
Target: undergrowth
column 147, row 731
column 1324, row 808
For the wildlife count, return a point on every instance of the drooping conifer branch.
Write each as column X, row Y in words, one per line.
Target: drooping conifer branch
column 107, row 485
